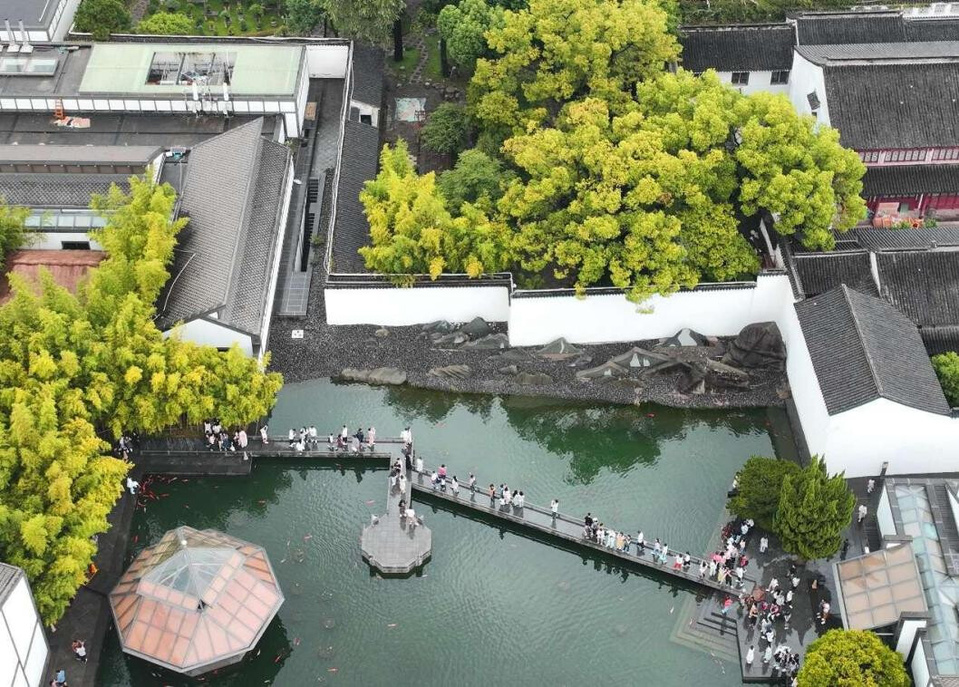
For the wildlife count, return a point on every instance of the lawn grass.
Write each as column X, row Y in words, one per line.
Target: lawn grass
column 410, row 57
column 433, row 70
column 210, row 19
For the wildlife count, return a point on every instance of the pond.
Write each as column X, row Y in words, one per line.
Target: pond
column 491, row 605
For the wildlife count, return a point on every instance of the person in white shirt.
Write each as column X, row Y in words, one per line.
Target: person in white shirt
column 371, row 437
column 554, row 507
column 455, row 487
column 750, row 656
column 313, row 438
column 344, row 433
column 243, row 439
column 264, row 434
column 133, row 486
column 472, row 481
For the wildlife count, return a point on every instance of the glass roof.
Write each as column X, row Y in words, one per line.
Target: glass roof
column 64, row 220
column 195, row 599
column 941, row 590
column 878, row 587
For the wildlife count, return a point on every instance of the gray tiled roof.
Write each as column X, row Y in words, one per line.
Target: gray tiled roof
column 905, row 239
column 904, row 180
column 57, row 190
column 924, row 285
column 358, row 164
column 863, row 349
column 367, row 74
column 940, row 339
column 894, row 105
column 758, row 47
column 824, row 28
column 222, row 196
column 79, row 154
column 9, row 576
column 821, row 272
column 851, row 52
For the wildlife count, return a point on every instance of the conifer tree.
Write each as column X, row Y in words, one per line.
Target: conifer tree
column 814, row 509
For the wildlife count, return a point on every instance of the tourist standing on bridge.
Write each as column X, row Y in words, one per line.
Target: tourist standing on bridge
column 750, row 656
column 371, row 437
column 407, row 437
column 554, row 507
column 640, row 543
column 455, row 487
column 702, row 569
column 402, row 483
column 492, row 495
column 472, row 483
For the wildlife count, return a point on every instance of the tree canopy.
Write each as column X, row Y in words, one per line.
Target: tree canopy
column 446, row 129
column 814, row 508
column 476, row 178
column 77, row 368
column 302, row 16
column 101, row 18
column 412, row 231
column 843, row 658
column 557, row 51
column 463, row 26
column 367, row 20
column 12, row 232
column 166, row 24
column 759, row 487
column 946, row 366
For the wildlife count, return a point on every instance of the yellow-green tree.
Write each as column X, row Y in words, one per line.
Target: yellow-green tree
column 556, row 51
column 76, row 368
column 412, row 232
column 852, row 657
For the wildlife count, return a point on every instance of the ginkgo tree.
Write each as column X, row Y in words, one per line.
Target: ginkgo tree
column 76, row 370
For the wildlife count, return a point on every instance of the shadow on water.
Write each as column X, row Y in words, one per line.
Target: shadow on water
column 416, row 405
column 611, row 565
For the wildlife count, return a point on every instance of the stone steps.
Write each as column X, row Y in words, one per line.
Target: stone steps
column 697, row 629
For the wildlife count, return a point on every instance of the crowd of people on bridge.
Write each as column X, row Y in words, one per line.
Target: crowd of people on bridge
column 219, row 438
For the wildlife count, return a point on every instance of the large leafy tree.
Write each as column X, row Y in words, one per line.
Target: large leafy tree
column 607, row 198
column 101, row 18
column 556, row 51
column 446, row 129
column 760, row 484
column 463, row 26
column 13, row 235
column 946, row 366
column 412, row 232
column 372, row 21
column 166, row 24
column 842, row 658
column 476, row 178
column 302, row 16
column 76, row 368
column 814, row 508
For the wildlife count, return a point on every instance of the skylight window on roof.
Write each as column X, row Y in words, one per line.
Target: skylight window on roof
column 187, row 68
column 28, row 66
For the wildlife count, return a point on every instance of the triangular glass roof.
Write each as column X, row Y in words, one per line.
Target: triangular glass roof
column 190, row 570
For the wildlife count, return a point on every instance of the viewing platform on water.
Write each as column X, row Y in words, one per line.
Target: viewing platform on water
column 571, row 530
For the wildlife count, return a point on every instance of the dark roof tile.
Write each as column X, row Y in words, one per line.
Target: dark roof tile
column 821, row 272
column 368, row 74
column 863, row 349
column 905, row 180
column 759, row 47
column 824, row 28
column 895, row 104
column 940, row 339
column 905, row 239
column 57, row 190
column 358, row 164
column 924, row 285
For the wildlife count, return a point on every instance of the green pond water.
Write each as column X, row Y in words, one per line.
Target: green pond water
column 492, row 606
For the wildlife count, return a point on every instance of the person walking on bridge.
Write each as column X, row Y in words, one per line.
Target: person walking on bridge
column 455, row 487
column 554, row 507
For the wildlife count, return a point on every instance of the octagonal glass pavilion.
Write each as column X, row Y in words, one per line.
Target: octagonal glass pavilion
column 195, row 601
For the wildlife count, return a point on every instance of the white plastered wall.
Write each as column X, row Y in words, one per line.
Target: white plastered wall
column 805, row 78
column 209, row 333
column 759, row 82
column 399, row 307
column 327, row 61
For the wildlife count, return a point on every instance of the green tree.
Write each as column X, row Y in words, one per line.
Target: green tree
column 302, row 16
column 13, row 235
column 74, row 368
column 607, row 199
column 368, row 20
column 759, row 485
column 463, row 26
column 477, row 178
column 814, row 509
column 101, row 18
column 847, row 658
column 946, row 366
column 166, row 24
column 412, row 232
column 446, row 129
column 561, row 50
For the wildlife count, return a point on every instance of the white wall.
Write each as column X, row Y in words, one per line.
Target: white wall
column 758, row 82
column 803, row 383
column 23, row 646
column 396, row 307
column 911, row 440
column 887, row 524
column 919, row 668
column 612, row 318
column 907, row 634
column 327, row 61
column 210, row 333
column 805, row 78
column 277, row 259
